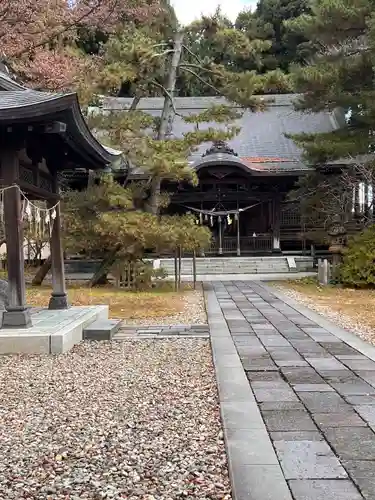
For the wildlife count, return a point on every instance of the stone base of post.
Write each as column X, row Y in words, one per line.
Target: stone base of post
column 17, row 318
column 58, row 301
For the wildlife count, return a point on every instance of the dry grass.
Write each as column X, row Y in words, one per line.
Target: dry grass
column 158, row 303
column 357, row 304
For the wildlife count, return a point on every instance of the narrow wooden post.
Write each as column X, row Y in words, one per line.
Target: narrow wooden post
column 238, row 234
column 276, row 216
column 59, row 299
column 220, row 236
column 176, row 269
column 179, row 266
column 194, row 269
column 16, row 315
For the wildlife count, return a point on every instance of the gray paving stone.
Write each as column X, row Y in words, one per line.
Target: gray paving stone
column 233, row 387
column 339, row 348
column 339, row 376
column 258, row 364
column 323, row 402
column 352, row 443
column 283, row 353
column 325, row 363
column 309, row 348
column 363, row 474
column 241, row 415
column 288, row 420
column 313, row 388
column 345, row 418
column 368, row 376
column 259, row 482
column 249, row 447
column 324, row 489
column 263, row 394
column 308, row 460
column 314, row 330
column 367, row 412
column 293, row 363
column 264, row 376
column 302, row 376
column 282, row 405
column 354, row 389
column 296, row 436
column 360, row 364
column 360, row 400
column 274, row 341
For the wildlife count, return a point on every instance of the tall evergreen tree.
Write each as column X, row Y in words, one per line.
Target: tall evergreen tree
column 339, row 79
column 341, row 76
column 267, row 22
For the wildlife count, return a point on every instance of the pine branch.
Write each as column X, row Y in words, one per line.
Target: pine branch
column 167, row 93
column 192, row 53
column 202, row 80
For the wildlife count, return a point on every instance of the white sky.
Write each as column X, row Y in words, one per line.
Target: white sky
column 188, row 10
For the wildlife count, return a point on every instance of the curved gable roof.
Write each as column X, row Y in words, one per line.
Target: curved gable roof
column 31, row 106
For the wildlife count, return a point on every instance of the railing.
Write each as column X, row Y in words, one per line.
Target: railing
column 248, row 244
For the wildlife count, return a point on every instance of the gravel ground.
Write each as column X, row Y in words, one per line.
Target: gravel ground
column 194, row 313
column 344, row 321
column 130, row 419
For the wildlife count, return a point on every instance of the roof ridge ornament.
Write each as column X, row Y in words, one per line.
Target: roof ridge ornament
column 219, row 147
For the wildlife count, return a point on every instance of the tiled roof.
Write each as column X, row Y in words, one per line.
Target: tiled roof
column 23, row 98
column 262, row 136
column 6, row 80
column 31, row 106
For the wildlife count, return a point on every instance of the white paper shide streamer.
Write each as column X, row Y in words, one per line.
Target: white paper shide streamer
column 35, row 215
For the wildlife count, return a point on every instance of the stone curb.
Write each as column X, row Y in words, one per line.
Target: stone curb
column 254, row 469
column 346, row 336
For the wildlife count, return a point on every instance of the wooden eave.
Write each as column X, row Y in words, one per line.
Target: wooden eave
column 46, row 108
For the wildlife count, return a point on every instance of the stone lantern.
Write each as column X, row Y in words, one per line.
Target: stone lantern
column 337, row 233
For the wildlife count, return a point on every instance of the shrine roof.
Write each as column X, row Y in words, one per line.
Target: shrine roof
column 262, row 144
column 6, row 80
column 33, row 108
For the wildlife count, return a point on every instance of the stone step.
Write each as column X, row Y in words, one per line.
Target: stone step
column 102, row 329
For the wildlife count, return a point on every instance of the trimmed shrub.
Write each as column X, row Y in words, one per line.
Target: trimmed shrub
column 358, row 267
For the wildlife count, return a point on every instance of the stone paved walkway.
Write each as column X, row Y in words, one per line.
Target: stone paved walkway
column 297, row 403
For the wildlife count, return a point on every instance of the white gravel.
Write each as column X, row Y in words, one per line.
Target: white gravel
column 343, row 320
column 121, row 420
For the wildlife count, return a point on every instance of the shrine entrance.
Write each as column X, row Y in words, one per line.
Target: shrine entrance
column 242, row 210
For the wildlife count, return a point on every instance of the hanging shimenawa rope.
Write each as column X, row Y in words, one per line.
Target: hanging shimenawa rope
column 39, row 219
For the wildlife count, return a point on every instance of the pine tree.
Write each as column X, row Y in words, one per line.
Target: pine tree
column 340, row 76
column 338, row 79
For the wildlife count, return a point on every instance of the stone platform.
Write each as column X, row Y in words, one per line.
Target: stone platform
column 53, row 332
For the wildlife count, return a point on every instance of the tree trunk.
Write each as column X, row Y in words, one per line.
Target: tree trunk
column 42, row 272
column 100, row 277
column 166, row 119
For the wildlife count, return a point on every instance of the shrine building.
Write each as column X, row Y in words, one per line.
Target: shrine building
column 242, row 193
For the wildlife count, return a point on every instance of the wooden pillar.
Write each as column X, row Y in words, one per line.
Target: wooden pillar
column 220, row 235
column 59, row 299
column 238, row 234
column 276, row 219
column 16, row 314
